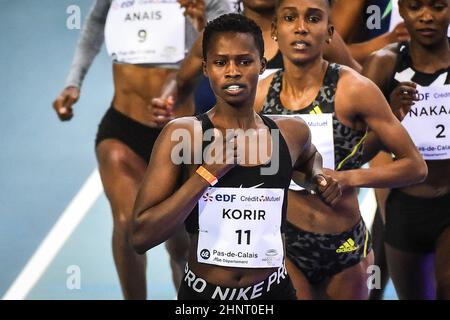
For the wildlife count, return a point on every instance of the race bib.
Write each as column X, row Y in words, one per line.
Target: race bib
column 240, row 227
column 321, row 126
column 428, row 122
column 145, row 31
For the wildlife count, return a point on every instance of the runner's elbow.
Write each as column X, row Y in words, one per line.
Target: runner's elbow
column 140, row 240
column 138, row 243
column 422, row 170
column 418, row 171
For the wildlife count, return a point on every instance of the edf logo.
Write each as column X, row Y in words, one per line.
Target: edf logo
column 127, row 4
column 219, row 197
column 423, row 96
column 225, row 197
column 207, row 197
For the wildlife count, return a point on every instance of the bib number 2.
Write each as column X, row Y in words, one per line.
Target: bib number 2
column 440, row 135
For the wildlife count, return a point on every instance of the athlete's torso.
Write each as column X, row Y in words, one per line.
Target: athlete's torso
column 305, row 210
column 347, row 141
column 136, row 84
column 238, row 182
column 134, row 88
column 437, row 182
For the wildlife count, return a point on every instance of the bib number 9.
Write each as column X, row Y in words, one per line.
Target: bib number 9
column 142, row 34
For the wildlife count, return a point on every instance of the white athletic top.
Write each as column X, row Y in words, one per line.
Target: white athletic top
column 92, row 36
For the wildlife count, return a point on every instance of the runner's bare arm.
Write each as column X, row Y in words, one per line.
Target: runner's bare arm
column 379, row 68
column 191, row 68
column 346, row 14
column 337, row 51
column 181, row 86
column 356, row 97
column 360, row 51
column 160, row 207
column 307, row 160
column 162, row 204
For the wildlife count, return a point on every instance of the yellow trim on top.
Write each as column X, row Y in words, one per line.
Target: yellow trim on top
column 353, row 151
column 365, row 243
column 317, row 110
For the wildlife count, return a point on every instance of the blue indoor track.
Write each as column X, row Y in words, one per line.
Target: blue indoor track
column 54, row 215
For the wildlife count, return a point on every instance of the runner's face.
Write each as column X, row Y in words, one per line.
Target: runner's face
column 233, row 66
column 302, row 28
column 427, row 20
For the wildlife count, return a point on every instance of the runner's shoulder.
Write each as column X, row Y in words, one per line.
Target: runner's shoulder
column 353, row 84
column 386, row 54
column 384, row 59
column 292, row 128
column 183, row 123
column 262, row 91
column 380, row 65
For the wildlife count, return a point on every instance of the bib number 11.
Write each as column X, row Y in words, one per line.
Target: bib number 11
column 246, row 232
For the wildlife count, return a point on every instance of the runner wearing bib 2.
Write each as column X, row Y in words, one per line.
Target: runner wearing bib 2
column 329, row 248
column 145, row 39
column 417, row 231
column 234, row 211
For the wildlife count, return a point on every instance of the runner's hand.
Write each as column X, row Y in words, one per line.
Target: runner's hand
column 162, row 110
column 225, row 155
column 328, row 188
column 402, row 99
column 64, row 102
column 195, row 10
column 399, row 33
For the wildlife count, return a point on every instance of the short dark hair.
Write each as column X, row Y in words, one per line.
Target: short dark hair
column 278, row 2
column 232, row 22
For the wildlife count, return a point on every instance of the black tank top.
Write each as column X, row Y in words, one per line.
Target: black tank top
column 276, row 62
column 250, row 177
column 405, row 71
column 347, row 141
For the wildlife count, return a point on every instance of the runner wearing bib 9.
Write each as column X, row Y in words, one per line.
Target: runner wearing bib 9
column 417, row 231
column 146, row 40
column 329, row 248
column 233, row 206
